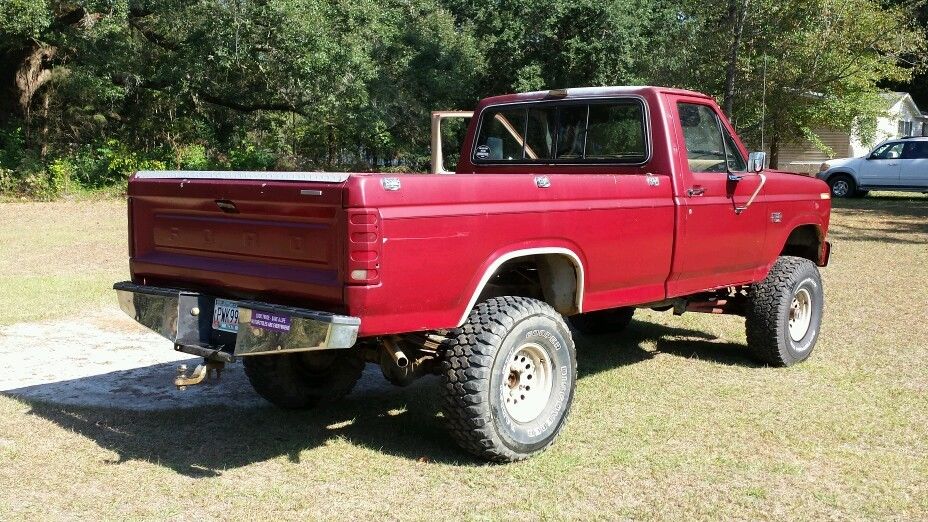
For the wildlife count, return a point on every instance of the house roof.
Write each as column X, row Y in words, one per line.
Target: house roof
column 891, row 99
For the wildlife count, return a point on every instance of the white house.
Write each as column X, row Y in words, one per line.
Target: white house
column 902, row 118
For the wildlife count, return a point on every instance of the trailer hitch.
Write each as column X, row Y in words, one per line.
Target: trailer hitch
column 200, row 374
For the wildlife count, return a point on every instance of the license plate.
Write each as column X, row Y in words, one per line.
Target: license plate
column 225, row 316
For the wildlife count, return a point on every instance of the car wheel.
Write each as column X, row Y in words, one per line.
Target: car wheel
column 784, row 312
column 842, row 186
column 509, row 374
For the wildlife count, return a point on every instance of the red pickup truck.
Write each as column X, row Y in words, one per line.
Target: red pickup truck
column 568, row 210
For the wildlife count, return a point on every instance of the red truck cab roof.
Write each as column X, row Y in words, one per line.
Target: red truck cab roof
column 586, row 92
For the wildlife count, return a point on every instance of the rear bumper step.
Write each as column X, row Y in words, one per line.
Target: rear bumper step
column 185, row 318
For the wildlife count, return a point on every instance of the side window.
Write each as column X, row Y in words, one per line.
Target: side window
column 501, row 135
column 915, row 150
column 705, row 151
column 615, row 131
column 888, row 151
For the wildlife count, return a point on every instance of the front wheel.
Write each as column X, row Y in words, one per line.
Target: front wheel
column 784, row 312
column 509, row 374
column 842, row 186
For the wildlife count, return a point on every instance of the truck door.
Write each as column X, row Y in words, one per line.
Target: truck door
column 914, row 173
column 717, row 245
column 883, row 166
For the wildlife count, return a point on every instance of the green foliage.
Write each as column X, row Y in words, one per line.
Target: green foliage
column 343, row 84
column 191, row 157
column 248, row 156
column 23, row 18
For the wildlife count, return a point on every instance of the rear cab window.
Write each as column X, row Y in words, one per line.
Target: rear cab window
column 611, row 130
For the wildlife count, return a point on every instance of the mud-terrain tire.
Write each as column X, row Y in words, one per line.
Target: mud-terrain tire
column 784, row 312
column 303, row 380
column 489, row 366
column 842, row 186
column 613, row 320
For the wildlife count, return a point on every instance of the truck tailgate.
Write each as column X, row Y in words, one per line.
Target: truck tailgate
column 277, row 237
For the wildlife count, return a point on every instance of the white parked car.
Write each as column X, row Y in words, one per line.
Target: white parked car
column 898, row 164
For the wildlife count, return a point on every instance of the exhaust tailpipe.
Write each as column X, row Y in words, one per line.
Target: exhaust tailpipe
column 393, row 350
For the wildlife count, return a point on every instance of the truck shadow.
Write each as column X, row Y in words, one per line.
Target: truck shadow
column 202, row 441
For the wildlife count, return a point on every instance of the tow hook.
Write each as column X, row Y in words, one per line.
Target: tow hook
column 200, row 374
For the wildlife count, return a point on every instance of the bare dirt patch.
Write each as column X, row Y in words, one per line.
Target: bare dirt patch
column 107, row 360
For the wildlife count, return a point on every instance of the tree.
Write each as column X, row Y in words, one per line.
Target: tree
column 825, row 61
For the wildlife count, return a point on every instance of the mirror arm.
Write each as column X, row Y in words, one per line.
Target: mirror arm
column 763, row 181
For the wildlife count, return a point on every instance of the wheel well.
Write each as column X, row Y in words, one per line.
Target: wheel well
column 804, row 241
column 841, row 173
column 551, row 278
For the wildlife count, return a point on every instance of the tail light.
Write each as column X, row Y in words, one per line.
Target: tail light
column 131, row 238
column 364, row 247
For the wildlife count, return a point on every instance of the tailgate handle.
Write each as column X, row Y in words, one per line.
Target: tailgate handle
column 226, row 206
column 310, row 192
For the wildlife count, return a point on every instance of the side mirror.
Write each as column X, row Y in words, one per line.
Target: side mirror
column 757, row 161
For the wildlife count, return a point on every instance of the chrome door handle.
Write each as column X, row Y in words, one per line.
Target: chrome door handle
column 542, row 182
column 695, row 191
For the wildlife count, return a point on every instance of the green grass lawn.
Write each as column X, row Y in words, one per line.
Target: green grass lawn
column 670, row 420
column 59, row 258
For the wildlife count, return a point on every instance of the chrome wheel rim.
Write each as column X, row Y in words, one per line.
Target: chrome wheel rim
column 840, row 188
column 527, row 383
column 800, row 315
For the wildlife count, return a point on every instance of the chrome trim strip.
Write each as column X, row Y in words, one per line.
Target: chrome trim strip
column 319, row 177
column 574, row 258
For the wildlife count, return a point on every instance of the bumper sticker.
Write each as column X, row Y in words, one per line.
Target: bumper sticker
column 269, row 321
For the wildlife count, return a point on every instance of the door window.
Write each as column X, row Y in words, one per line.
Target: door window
column 709, row 145
column 888, row 151
column 915, row 150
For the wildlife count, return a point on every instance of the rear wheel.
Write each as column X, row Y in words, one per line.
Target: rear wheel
column 509, row 374
column 306, row 379
column 784, row 312
column 602, row 321
column 842, row 186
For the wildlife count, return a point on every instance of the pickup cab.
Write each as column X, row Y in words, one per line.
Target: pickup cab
column 568, row 210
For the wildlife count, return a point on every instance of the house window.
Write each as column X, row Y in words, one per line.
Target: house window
column 905, row 128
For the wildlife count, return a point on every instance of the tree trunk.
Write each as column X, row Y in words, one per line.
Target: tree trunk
column 330, row 152
column 737, row 12
column 32, row 74
column 775, row 150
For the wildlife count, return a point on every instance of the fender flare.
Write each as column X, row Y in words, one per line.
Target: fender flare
column 526, row 252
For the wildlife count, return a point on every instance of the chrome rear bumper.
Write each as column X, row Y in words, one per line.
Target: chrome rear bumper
column 185, row 318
